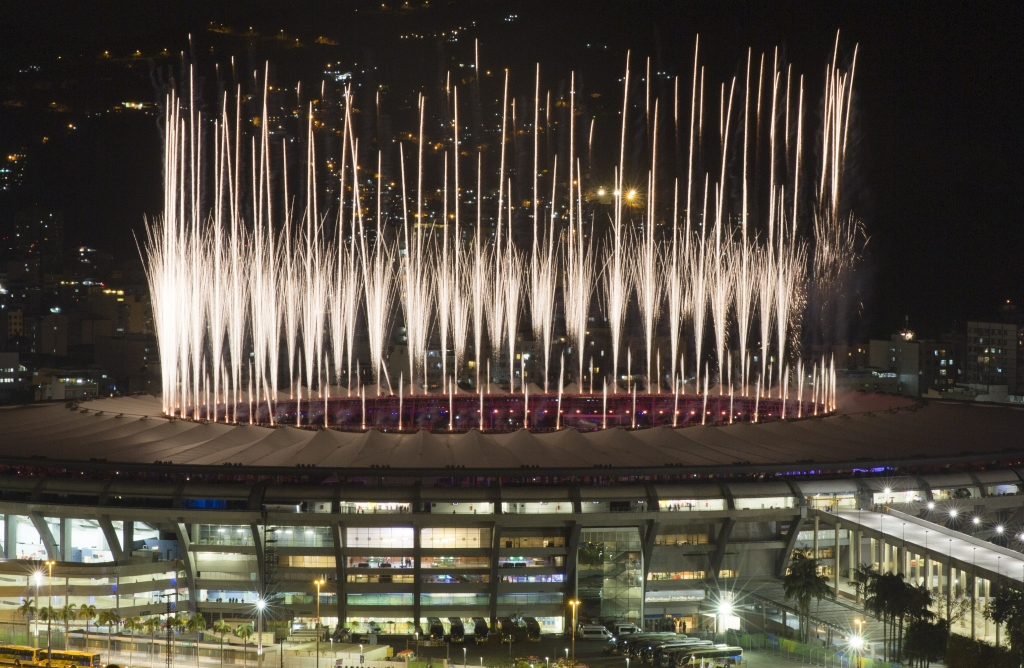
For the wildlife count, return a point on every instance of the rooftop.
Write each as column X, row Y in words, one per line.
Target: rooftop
column 869, row 431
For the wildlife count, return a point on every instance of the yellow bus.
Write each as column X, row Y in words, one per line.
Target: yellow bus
column 71, row 658
column 14, row 654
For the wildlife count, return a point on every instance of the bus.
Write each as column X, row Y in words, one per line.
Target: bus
column 71, row 658
column 11, row 654
column 711, row 657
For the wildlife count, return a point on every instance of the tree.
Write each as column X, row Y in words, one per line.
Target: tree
column 244, row 632
column 151, row 625
column 111, row 620
column 196, row 624
column 1007, row 609
column 803, row 583
column 27, row 609
column 926, row 641
column 221, row 628
column 66, row 614
column 47, row 615
column 87, row 612
column 132, row 624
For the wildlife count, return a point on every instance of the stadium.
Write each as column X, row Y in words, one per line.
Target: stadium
column 652, row 526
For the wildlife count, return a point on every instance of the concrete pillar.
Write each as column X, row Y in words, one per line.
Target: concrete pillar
column 837, row 561
column 128, row 534
column 974, row 602
column 11, row 536
column 883, row 557
column 928, row 572
column 817, row 522
column 949, row 587
column 65, row 539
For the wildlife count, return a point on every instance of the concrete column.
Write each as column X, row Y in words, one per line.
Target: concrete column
column 11, row 536
column 128, row 537
column 837, row 561
column 949, row 587
column 928, row 572
column 883, row 557
column 65, row 539
column 817, row 523
column 974, row 602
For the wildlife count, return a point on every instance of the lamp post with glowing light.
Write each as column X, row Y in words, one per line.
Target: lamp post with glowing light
column 319, row 582
column 260, row 606
column 50, row 563
column 575, row 603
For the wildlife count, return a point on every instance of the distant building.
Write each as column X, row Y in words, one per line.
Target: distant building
column 941, row 366
column 65, row 384
column 991, row 354
column 898, row 358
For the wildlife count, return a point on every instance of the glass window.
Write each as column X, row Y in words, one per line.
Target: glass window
column 537, row 508
column 765, row 502
column 306, row 561
column 302, row 536
column 455, row 578
column 462, row 508
column 678, row 575
column 556, row 561
column 380, row 599
column 532, row 541
column 691, row 504
column 223, row 534
column 547, row 597
column 385, row 537
column 373, row 507
column 455, row 562
column 458, row 538
column 681, row 539
column 379, row 562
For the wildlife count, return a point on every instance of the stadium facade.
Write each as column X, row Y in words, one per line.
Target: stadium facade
column 642, row 525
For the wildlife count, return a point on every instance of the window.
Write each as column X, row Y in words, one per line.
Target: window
column 681, row 539
column 450, row 537
column 454, row 599
column 379, row 562
column 455, row 562
column 530, row 599
column 384, row 537
column 689, row 504
column 224, row 534
column 678, row 575
column 532, row 541
column 380, row 599
column 537, row 508
column 765, row 502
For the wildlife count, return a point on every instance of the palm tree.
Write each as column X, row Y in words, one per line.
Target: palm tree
column 133, row 624
column 221, row 628
column 110, row 619
column 151, row 626
column 196, row 624
column 87, row 612
column 244, row 632
column 178, row 623
column 803, row 583
column 47, row 615
column 27, row 609
column 66, row 614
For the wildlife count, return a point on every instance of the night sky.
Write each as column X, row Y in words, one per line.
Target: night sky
column 936, row 168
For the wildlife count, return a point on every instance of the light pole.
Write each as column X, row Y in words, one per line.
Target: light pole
column 39, row 580
column 575, row 604
column 260, row 605
column 464, row 649
column 49, row 613
column 319, row 582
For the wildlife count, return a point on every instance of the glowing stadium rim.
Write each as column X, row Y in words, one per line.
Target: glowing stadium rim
column 242, row 288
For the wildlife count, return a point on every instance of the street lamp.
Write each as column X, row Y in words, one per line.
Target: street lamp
column 319, row 582
column 464, row 656
column 575, row 603
column 49, row 613
column 260, row 606
column 39, row 581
